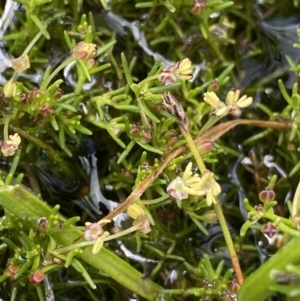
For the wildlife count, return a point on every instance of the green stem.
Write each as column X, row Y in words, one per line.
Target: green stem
column 229, row 242
column 80, row 82
column 47, row 81
column 210, row 122
column 5, row 128
column 218, row 208
column 23, row 204
column 51, row 152
column 158, row 200
column 13, row 167
column 193, row 148
column 31, row 44
column 148, row 79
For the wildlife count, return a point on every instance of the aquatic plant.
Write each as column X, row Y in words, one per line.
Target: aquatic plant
column 135, row 100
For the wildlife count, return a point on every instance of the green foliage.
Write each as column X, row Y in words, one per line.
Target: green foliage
column 141, row 85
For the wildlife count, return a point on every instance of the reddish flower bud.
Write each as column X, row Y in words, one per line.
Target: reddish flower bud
column 198, row 7
column 12, row 270
column 46, row 110
column 267, row 195
column 205, row 147
column 84, row 51
column 214, row 86
column 24, row 98
column 233, row 285
column 59, row 93
column 37, row 277
column 34, row 93
column 43, row 223
column 269, row 230
column 259, row 208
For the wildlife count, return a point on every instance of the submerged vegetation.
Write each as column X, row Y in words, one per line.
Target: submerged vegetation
column 150, row 150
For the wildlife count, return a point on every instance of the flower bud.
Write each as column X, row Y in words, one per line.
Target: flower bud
column 12, row 270
column 57, row 260
column 84, row 51
column 267, row 195
column 91, row 64
column 259, row 208
column 35, row 93
column 205, row 147
column 198, row 7
column 46, row 110
column 21, row 63
column 37, row 277
column 214, row 85
column 143, row 224
column 135, row 210
column 183, row 69
column 209, row 216
column 174, row 107
column 58, row 94
column 24, row 98
column 233, row 285
column 170, row 136
column 269, row 230
column 43, row 223
column 9, row 89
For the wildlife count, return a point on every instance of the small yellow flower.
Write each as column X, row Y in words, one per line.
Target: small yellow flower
column 84, row 51
column 9, row 89
column 193, row 184
column 21, row 63
column 182, row 70
column 219, row 107
column 232, row 103
column 135, row 210
column 9, row 147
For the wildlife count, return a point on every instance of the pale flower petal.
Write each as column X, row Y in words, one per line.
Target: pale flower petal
column 212, row 99
column 209, row 198
column 99, row 242
column 244, row 101
column 221, row 111
column 188, row 171
column 175, row 191
column 236, row 95
column 135, row 210
column 15, row 140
